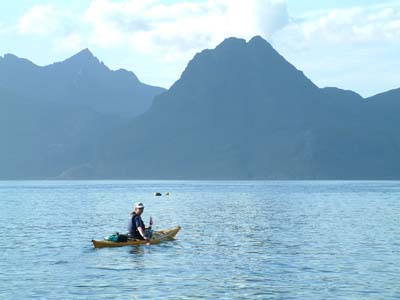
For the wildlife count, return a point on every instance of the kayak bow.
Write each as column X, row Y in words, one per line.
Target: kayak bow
column 157, row 237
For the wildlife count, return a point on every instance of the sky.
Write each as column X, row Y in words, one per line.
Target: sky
column 351, row 44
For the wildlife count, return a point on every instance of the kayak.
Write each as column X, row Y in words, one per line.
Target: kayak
column 157, row 237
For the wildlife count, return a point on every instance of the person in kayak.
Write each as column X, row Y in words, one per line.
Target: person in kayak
column 136, row 227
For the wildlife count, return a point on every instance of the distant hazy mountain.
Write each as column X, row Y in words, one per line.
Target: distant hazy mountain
column 53, row 118
column 241, row 111
column 80, row 80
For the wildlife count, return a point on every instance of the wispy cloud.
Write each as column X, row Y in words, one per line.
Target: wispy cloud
column 150, row 26
column 41, row 20
column 332, row 46
column 174, row 29
column 347, row 47
column 171, row 31
column 354, row 25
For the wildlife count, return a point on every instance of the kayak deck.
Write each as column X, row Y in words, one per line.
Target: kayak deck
column 157, row 237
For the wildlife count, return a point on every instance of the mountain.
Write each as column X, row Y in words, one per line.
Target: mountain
column 387, row 103
column 80, row 80
column 241, row 111
column 56, row 117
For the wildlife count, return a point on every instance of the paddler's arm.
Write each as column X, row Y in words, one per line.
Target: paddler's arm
column 141, row 231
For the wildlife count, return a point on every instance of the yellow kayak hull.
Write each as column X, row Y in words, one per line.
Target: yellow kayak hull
column 158, row 237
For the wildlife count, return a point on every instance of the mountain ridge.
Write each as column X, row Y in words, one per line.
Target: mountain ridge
column 242, row 111
column 80, row 79
column 54, row 117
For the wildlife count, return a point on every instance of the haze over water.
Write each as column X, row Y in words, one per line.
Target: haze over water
column 239, row 240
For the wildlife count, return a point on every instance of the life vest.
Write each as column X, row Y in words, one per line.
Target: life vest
column 132, row 229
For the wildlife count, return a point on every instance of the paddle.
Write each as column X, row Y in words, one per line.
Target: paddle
column 151, row 224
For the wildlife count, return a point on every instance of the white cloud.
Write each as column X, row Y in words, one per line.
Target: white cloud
column 331, row 46
column 171, row 31
column 356, row 25
column 164, row 35
column 150, row 26
column 350, row 48
column 41, row 20
column 170, row 34
column 62, row 30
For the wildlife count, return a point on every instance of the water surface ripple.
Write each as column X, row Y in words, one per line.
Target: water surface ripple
column 239, row 240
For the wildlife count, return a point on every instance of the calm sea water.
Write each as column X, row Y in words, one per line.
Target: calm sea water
column 239, row 240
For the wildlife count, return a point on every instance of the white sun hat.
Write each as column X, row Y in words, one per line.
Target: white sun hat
column 139, row 205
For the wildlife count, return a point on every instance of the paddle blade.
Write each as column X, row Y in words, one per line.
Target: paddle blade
column 151, row 221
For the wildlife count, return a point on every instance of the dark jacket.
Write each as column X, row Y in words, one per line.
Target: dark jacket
column 134, row 222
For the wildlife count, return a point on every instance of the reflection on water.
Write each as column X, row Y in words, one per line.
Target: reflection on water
column 239, row 240
column 137, row 250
